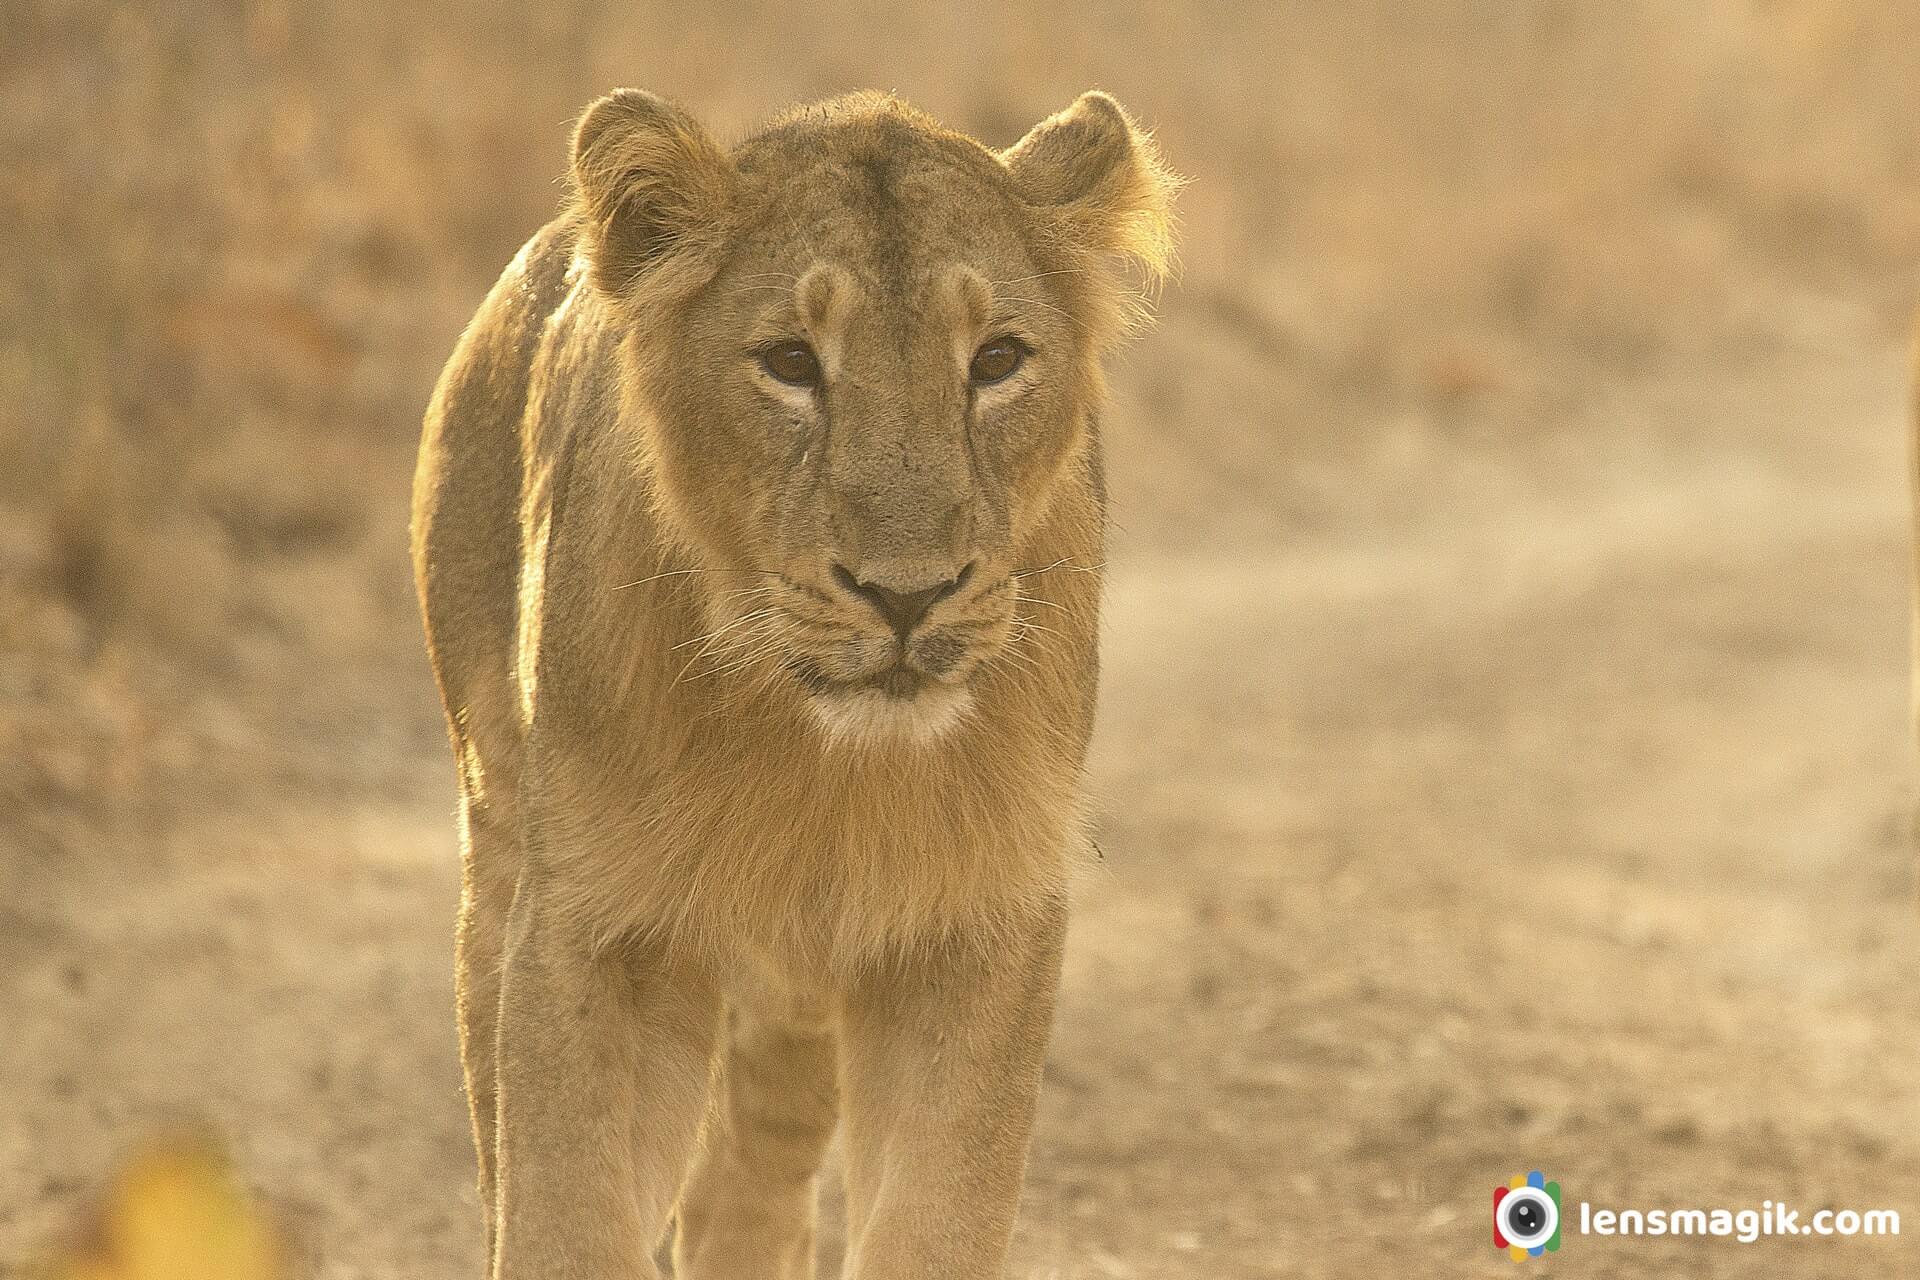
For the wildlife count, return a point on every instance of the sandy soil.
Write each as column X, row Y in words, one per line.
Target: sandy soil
column 1559, row 823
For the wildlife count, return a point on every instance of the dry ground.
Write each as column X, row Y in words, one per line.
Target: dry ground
column 1504, row 747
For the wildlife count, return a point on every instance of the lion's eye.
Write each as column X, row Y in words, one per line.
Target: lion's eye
column 792, row 362
column 996, row 360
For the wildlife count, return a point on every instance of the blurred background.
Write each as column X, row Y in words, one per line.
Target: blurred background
column 1503, row 749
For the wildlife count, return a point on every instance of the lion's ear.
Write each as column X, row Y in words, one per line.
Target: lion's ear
column 1104, row 177
column 650, row 184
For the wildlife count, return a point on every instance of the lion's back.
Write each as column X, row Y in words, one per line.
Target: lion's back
column 467, row 486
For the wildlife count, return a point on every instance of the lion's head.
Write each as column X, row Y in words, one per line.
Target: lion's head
column 861, row 351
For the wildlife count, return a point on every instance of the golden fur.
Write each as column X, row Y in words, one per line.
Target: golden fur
column 736, row 844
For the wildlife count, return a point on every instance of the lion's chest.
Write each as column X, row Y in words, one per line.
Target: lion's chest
column 776, row 845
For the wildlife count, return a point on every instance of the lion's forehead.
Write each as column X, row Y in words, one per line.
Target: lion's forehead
column 892, row 204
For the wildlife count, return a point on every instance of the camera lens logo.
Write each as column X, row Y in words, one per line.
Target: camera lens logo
column 1526, row 1217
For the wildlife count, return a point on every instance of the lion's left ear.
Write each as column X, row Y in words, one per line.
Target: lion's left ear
column 1104, row 177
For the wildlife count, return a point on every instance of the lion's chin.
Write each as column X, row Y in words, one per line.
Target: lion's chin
column 873, row 716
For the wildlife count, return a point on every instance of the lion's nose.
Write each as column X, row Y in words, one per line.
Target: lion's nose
column 902, row 609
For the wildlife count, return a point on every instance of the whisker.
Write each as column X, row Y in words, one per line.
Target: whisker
column 1027, row 624
column 971, row 626
column 721, row 630
column 767, row 645
column 1038, row 275
column 669, row 573
column 744, row 639
column 692, row 662
column 726, row 702
column 1035, row 302
column 1009, row 653
column 1061, row 563
column 674, row 573
column 732, row 667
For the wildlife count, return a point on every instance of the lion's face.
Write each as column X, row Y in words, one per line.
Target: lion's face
column 863, row 372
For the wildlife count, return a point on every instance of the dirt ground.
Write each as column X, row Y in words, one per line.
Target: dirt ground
column 1504, row 754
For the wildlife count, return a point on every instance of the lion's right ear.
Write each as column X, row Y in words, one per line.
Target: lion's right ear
column 651, row 186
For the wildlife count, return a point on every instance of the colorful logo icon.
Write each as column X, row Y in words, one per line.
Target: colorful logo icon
column 1526, row 1217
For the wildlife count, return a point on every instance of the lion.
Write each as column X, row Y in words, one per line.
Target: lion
column 758, row 530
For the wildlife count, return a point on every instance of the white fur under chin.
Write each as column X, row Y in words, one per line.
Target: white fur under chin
column 868, row 717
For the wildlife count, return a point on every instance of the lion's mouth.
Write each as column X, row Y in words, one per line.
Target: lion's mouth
column 897, row 681
column 897, row 703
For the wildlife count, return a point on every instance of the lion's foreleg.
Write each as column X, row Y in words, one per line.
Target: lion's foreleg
column 603, row 1063
column 490, row 856
column 942, row 1072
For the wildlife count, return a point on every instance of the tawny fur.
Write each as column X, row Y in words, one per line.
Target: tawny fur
column 721, row 890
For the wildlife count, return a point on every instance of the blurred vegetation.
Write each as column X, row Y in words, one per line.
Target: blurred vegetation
column 175, row 1212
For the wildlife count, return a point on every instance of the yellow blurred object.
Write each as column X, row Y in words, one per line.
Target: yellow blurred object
column 177, row 1212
